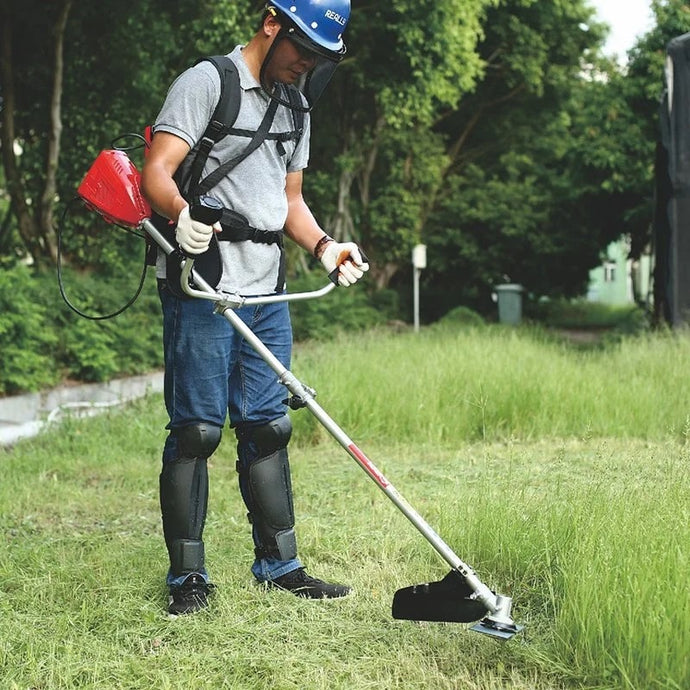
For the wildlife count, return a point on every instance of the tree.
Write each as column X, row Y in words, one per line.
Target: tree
column 34, row 212
column 108, row 67
column 507, row 207
column 491, row 130
column 640, row 90
column 407, row 60
column 426, row 155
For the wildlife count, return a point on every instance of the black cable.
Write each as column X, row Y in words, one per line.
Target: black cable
column 142, row 139
column 93, row 317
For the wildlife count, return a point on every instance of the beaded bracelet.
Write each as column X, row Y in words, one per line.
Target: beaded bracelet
column 324, row 240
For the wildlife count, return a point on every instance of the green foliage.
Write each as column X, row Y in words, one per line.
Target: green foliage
column 26, row 342
column 343, row 310
column 509, row 209
column 43, row 346
column 410, row 168
column 583, row 314
column 89, row 353
column 459, row 317
column 98, row 350
column 493, row 131
column 434, row 47
column 119, row 61
column 372, row 129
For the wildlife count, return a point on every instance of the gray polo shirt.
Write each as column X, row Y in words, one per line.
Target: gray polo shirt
column 256, row 187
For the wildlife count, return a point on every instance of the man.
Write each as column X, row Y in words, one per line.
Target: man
column 210, row 372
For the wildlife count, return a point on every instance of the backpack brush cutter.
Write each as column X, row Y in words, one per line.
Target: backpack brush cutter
column 112, row 188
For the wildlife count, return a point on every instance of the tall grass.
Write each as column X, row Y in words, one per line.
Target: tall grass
column 575, row 507
column 496, row 383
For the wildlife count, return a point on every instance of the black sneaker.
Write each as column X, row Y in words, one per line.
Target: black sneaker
column 189, row 597
column 303, row 585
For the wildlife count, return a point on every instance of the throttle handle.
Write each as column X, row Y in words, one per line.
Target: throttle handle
column 206, row 209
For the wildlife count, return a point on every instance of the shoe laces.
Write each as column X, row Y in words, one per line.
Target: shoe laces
column 194, row 587
column 301, row 575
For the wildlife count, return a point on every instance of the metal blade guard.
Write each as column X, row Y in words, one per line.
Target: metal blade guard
column 454, row 600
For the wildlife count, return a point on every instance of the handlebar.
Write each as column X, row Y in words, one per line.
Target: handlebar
column 203, row 290
column 234, row 301
column 209, row 210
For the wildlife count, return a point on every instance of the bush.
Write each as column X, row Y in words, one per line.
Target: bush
column 129, row 343
column 27, row 340
column 460, row 317
column 44, row 342
column 583, row 314
column 342, row 310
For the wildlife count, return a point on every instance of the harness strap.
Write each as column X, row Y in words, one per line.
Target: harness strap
column 272, row 136
column 211, row 135
column 235, row 228
column 236, row 234
column 210, row 181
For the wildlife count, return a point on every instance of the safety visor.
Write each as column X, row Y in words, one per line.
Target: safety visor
column 313, row 83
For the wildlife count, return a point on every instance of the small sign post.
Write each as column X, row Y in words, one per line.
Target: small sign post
column 418, row 263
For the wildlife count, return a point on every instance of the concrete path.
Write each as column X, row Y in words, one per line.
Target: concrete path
column 23, row 416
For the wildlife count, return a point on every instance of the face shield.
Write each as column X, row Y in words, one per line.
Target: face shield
column 312, row 82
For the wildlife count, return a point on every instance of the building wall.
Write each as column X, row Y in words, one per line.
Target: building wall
column 612, row 282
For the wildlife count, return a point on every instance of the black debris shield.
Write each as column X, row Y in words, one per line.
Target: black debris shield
column 448, row 600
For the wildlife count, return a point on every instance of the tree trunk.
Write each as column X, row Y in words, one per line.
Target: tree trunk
column 380, row 274
column 15, row 186
column 46, row 220
column 35, row 225
column 342, row 226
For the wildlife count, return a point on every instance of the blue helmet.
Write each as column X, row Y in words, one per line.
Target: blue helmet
column 321, row 21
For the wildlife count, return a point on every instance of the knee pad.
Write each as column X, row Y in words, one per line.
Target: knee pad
column 267, row 488
column 268, row 437
column 197, row 440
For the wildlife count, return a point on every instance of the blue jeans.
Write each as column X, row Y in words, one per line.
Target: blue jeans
column 212, row 373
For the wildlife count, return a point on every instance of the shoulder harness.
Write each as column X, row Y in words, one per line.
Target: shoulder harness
column 236, row 227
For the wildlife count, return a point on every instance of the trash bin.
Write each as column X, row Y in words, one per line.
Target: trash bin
column 509, row 297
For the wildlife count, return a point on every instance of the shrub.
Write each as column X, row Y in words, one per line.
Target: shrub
column 43, row 341
column 460, row 317
column 27, row 341
column 129, row 343
column 580, row 313
column 342, row 310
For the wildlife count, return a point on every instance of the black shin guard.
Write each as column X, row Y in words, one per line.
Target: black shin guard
column 272, row 513
column 184, row 496
column 267, row 490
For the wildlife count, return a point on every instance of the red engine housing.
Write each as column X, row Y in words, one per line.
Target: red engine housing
column 112, row 187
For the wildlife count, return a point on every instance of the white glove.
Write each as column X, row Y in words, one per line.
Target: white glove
column 193, row 236
column 347, row 258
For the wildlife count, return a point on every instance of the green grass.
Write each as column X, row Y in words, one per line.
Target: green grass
column 577, row 508
column 496, row 383
column 581, row 313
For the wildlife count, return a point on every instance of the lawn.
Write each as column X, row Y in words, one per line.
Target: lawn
column 561, row 476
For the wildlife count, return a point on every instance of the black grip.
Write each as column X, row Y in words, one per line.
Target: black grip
column 206, row 209
column 333, row 275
